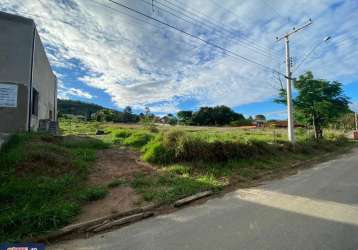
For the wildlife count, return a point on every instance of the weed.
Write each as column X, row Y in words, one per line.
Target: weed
column 42, row 179
column 138, row 139
column 123, row 133
column 165, row 188
column 93, row 193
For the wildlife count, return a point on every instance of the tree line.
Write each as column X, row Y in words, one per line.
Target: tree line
column 213, row 116
column 318, row 104
column 206, row 116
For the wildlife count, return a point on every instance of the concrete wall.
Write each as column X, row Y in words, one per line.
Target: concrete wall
column 16, row 48
column 15, row 60
column 45, row 82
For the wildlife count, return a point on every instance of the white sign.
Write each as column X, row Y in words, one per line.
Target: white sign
column 8, row 95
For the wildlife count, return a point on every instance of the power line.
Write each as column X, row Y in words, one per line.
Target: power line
column 186, row 17
column 226, row 51
column 305, row 57
column 159, row 27
column 214, row 2
column 33, row 16
column 271, row 7
column 342, row 40
column 248, row 60
column 204, row 19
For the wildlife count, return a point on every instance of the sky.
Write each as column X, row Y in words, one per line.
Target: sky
column 106, row 54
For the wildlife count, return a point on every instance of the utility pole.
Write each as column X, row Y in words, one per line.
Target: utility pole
column 288, row 76
column 356, row 118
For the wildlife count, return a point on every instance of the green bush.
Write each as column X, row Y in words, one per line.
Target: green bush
column 168, row 187
column 123, row 133
column 178, row 146
column 155, row 152
column 138, row 139
column 93, row 194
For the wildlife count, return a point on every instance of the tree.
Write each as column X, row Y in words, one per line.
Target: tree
column 224, row 115
column 148, row 118
column 318, row 103
column 260, row 118
column 147, row 111
column 203, row 116
column 100, row 116
column 128, row 110
column 127, row 114
column 169, row 119
column 185, row 117
column 219, row 115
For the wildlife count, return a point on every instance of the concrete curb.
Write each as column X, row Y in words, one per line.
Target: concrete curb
column 113, row 220
column 93, row 224
column 122, row 221
column 192, row 198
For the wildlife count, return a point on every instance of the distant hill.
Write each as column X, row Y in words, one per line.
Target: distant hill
column 77, row 107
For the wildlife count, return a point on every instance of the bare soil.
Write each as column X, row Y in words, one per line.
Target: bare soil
column 113, row 164
column 116, row 163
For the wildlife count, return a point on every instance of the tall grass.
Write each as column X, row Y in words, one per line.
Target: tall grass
column 180, row 146
column 42, row 182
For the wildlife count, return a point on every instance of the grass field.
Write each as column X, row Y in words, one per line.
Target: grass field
column 191, row 159
column 42, row 177
column 270, row 135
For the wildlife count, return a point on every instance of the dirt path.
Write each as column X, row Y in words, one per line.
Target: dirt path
column 113, row 164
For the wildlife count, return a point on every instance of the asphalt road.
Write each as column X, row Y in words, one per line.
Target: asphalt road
column 314, row 209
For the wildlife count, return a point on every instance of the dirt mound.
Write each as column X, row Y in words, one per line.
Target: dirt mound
column 44, row 159
column 115, row 163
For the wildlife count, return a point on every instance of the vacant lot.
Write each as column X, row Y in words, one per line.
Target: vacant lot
column 48, row 182
column 188, row 159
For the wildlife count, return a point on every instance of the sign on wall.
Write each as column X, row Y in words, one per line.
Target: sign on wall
column 8, row 95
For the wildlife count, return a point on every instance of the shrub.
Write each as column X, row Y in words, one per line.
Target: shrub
column 93, row 194
column 123, row 134
column 155, row 152
column 178, row 146
column 138, row 139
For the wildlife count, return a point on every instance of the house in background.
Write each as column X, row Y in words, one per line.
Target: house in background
column 28, row 86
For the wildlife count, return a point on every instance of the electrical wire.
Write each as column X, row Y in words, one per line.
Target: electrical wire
column 247, row 60
column 209, row 28
column 214, row 2
column 306, row 56
column 274, row 9
column 206, row 20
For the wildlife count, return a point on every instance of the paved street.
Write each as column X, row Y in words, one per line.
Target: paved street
column 315, row 209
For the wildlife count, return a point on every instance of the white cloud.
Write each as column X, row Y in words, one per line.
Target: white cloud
column 138, row 64
column 354, row 106
column 66, row 93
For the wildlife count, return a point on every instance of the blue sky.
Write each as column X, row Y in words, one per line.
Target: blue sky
column 104, row 54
